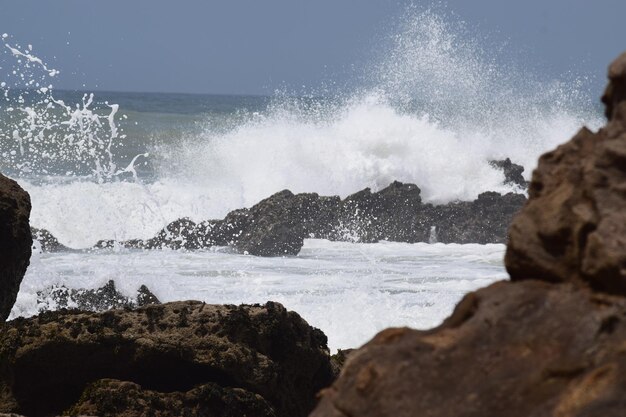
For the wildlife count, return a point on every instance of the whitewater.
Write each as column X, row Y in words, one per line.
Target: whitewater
column 433, row 109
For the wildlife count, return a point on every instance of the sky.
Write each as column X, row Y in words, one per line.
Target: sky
column 255, row 47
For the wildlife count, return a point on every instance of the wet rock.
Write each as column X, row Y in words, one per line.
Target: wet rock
column 573, row 227
column 484, row 220
column 393, row 213
column 512, row 172
column 46, row 241
column 179, row 234
column 15, row 241
column 104, row 298
column 261, row 358
column 511, row 349
column 275, row 227
column 109, row 397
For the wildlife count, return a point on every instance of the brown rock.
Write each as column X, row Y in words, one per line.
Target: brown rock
column 15, row 241
column 573, row 227
column 529, row 349
column 262, row 351
column 110, row 397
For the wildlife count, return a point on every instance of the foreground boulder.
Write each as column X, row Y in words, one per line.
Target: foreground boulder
column 528, row 349
column 573, row 227
column 15, row 241
column 259, row 360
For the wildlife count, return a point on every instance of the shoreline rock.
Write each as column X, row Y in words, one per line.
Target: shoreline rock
column 15, row 241
column 261, row 359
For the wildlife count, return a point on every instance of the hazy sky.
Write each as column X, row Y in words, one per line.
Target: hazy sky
column 255, row 46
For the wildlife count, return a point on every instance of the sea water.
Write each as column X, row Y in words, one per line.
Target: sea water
column 432, row 109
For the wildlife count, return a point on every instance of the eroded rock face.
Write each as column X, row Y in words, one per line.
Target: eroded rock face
column 511, row 349
column 263, row 355
column 15, row 241
column 573, row 227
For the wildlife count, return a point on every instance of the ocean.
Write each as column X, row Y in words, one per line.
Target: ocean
column 119, row 165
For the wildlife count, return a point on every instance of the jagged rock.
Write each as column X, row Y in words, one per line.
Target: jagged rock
column 278, row 225
column 262, row 355
column 511, row 349
column 101, row 299
column 109, row 397
column 512, row 172
column 47, row 241
column 15, row 241
column 573, row 227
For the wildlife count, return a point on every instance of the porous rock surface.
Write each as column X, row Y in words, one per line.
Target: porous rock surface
column 15, row 241
column 177, row 358
column 550, row 343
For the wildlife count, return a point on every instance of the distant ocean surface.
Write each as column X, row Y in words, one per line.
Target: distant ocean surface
column 433, row 111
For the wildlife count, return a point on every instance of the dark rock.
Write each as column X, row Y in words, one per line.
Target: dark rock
column 393, row 213
column 47, row 241
column 100, row 299
column 260, row 358
column 278, row 225
column 179, row 234
column 573, row 227
column 109, row 397
column 512, row 172
column 511, row 349
column 275, row 227
column 484, row 220
column 15, row 241
column 145, row 297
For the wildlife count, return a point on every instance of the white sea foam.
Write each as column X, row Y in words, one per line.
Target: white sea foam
column 349, row 291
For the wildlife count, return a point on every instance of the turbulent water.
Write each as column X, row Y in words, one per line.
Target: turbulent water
column 433, row 109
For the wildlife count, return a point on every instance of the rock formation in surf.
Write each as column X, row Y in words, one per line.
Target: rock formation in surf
column 15, row 241
column 175, row 359
column 550, row 342
column 278, row 225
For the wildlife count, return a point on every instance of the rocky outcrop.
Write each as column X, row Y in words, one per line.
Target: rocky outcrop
column 15, row 241
column 172, row 359
column 104, row 298
column 548, row 344
column 278, row 225
column 573, row 227
column 511, row 349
